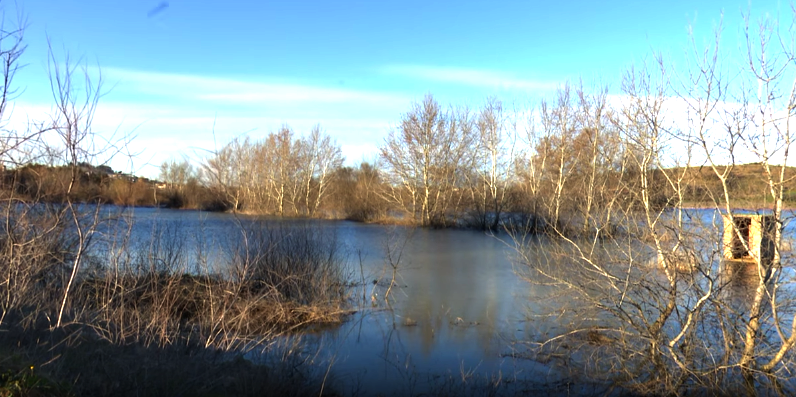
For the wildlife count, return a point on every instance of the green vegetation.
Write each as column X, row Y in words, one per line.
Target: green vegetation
column 27, row 382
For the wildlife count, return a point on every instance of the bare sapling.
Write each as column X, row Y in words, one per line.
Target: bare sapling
column 656, row 306
column 394, row 252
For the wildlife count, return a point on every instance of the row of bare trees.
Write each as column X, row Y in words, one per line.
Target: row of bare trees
column 443, row 166
column 283, row 174
column 482, row 168
column 439, row 167
column 562, row 163
column 608, row 179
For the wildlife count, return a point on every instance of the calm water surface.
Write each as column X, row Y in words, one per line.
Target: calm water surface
column 455, row 308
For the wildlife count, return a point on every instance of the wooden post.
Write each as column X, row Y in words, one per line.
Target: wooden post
column 748, row 238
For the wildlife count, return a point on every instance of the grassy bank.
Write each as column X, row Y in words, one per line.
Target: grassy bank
column 155, row 317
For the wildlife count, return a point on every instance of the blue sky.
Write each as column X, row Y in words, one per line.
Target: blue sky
column 246, row 67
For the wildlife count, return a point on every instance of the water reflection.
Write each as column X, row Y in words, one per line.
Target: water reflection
column 455, row 304
column 456, row 295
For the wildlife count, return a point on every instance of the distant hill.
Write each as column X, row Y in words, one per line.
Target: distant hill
column 38, row 182
column 747, row 185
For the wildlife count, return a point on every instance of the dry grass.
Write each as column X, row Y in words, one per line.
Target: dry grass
column 137, row 322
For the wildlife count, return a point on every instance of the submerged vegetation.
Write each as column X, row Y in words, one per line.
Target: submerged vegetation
column 157, row 295
column 681, row 301
column 594, row 191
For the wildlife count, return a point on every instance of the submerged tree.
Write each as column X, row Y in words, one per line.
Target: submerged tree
column 281, row 174
column 571, row 173
column 495, row 143
column 360, row 192
column 425, row 158
column 321, row 158
column 656, row 306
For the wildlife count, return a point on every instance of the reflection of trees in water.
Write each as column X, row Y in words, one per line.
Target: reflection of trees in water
column 459, row 289
column 453, row 292
column 644, row 311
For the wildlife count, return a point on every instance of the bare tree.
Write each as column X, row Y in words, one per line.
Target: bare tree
column 425, row 158
column 225, row 170
column 13, row 143
column 322, row 156
column 573, row 161
column 558, row 126
column 281, row 174
column 360, row 192
column 176, row 174
column 656, row 306
column 76, row 96
column 529, row 165
column 496, row 130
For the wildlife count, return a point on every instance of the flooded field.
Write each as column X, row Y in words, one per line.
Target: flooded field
column 430, row 308
column 455, row 308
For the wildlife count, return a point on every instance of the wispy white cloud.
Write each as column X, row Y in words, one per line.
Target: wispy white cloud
column 685, row 124
column 162, row 132
column 470, row 77
column 239, row 90
column 175, row 115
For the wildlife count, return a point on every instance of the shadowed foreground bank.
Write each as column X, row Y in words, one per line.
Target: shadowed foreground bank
column 88, row 310
column 72, row 361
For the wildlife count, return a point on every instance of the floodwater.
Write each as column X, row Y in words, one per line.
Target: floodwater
column 454, row 309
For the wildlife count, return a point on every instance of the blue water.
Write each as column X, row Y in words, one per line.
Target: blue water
column 456, row 306
column 456, row 311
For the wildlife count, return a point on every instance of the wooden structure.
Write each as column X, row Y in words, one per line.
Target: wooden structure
column 749, row 238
